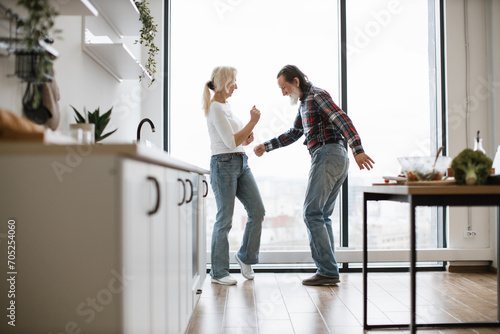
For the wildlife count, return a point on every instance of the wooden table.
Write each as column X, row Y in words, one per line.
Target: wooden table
column 426, row 195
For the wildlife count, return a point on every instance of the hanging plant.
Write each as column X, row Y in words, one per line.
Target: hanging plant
column 148, row 33
column 33, row 61
column 37, row 27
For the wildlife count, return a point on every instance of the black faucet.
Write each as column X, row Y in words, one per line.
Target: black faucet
column 140, row 126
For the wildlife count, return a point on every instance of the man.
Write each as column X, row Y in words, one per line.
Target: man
column 325, row 127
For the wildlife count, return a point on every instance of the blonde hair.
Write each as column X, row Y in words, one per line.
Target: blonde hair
column 222, row 78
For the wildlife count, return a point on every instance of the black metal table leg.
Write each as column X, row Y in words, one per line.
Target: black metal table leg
column 413, row 268
column 365, row 263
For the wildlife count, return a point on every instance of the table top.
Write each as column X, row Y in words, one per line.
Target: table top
column 452, row 189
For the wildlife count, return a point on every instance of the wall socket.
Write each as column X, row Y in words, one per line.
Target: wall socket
column 469, row 234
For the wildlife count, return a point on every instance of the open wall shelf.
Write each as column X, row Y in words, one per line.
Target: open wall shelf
column 68, row 7
column 121, row 15
column 120, row 19
column 104, row 40
column 116, row 58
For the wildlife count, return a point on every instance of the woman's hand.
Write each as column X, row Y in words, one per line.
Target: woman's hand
column 364, row 161
column 259, row 150
column 248, row 140
column 254, row 115
column 245, row 136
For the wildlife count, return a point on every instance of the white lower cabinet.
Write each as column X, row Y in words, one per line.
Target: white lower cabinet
column 162, row 247
column 191, row 245
column 115, row 246
column 198, row 245
column 144, row 253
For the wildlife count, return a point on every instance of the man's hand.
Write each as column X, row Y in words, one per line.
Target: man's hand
column 259, row 150
column 364, row 161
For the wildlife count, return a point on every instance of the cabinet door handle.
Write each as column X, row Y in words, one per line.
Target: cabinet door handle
column 158, row 195
column 192, row 191
column 183, row 192
column 206, row 187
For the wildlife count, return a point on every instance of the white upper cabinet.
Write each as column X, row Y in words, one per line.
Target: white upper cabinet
column 110, row 29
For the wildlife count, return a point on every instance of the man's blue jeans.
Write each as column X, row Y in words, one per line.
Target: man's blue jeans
column 329, row 166
column 230, row 178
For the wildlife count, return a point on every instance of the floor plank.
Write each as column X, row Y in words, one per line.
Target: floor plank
column 279, row 303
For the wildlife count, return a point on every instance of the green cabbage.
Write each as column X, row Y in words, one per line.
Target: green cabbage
column 471, row 167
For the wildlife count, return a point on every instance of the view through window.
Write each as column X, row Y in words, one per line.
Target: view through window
column 389, row 101
column 388, row 97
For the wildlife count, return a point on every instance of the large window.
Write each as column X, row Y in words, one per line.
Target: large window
column 389, row 82
column 388, row 98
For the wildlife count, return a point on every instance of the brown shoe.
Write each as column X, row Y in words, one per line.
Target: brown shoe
column 317, row 279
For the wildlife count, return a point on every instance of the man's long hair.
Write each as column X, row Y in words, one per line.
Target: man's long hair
column 290, row 72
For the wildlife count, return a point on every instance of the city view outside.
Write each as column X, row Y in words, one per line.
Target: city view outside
column 388, row 101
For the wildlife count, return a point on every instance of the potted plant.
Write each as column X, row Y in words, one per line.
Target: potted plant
column 148, row 33
column 100, row 122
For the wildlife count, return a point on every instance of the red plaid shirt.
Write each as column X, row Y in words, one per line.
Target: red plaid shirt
column 320, row 120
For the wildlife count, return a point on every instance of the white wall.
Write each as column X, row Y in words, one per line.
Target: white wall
column 84, row 83
column 484, row 75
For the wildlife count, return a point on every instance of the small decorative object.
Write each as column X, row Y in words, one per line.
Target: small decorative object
column 100, row 121
column 496, row 161
column 478, row 144
column 83, row 133
column 148, row 33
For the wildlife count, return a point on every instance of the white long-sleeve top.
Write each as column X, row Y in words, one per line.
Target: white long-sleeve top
column 222, row 125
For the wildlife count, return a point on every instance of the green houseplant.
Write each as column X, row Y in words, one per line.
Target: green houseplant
column 33, row 60
column 37, row 27
column 148, row 33
column 100, row 122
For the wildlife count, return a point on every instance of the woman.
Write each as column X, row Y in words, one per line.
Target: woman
column 230, row 177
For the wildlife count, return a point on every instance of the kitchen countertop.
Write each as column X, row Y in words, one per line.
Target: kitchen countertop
column 135, row 151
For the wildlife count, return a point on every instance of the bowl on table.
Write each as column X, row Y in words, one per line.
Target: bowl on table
column 424, row 168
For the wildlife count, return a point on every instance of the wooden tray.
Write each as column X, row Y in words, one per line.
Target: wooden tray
column 417, row 183
column 430, row 183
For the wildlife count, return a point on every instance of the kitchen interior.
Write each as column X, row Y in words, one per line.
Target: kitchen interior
column 151, row 277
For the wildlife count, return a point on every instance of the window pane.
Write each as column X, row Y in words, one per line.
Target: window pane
column 390, row 104
column 257, row 37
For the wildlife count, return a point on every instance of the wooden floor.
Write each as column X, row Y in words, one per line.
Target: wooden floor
column 279, row 303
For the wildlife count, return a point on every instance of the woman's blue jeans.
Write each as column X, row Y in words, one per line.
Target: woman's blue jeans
column 329, row 166
column 231, row 178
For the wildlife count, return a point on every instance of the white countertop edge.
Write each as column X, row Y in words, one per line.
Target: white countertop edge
column 158, row 156
column 135, row 151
